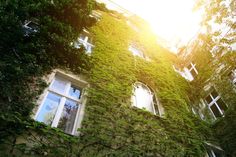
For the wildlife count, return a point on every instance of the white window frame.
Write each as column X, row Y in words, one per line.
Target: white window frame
column 187, row 71
column 95, row 14
column 211, row 150
column 70, row 80
column 212, row 153
column 193, row 67
column 214, row 102
column 234, row 74
column 84, row 41
column 158, row 107
column 26, row 26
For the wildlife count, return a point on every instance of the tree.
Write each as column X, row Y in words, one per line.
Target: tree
column 219, row 19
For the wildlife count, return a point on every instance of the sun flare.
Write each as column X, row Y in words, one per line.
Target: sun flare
column 172, row 20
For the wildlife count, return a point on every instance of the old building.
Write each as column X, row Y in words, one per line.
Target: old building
column 114, row 92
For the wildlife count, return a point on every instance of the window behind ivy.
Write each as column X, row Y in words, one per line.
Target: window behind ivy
column 192, row 69
column 232, row 76
column 216, row 104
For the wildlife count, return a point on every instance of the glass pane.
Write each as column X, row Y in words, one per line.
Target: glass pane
column 232, row 75
column 49, row 108
column 154, row 100
column 135, row 51
column 143, row 98
column 222, row 105
column 82, row 36
column 67, row 119
column 208, row 99
column 210, row 153
column 75, row 92
column 194, row 74
column 215, row 110
column 59, row 85
column 189, row 67
column 214, row 94
column 32, row 25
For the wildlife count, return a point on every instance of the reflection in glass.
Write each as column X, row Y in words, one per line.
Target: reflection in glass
column 49, row 108
column 193, row 73
column 215, row 110
column 143, row 98
column 135, row 51
column 208, row 99
column 214, row 94
column 68, row 116
column 59, row 85
column 74, row 92
column 222, row 105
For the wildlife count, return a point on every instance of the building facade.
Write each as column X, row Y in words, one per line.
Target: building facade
column 114, row 93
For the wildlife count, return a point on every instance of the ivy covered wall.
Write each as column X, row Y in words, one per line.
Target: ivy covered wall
column 213, row 73
column 111, row 126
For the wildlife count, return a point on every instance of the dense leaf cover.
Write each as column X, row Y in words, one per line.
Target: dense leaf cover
column 111, row 126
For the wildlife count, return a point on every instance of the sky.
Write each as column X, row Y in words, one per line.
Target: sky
column 173, row 21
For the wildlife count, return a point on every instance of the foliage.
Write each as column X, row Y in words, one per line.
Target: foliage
column 111, row 126
column 25, row 58
column 219, row 20
column 220, row 38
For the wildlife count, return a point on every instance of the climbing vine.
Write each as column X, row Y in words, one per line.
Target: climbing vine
column 111, row 126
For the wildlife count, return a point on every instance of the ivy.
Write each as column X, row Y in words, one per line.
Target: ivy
column 111, row 126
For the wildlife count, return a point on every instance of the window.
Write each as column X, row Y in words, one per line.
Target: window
column 30, row 27
column 86, row 40
column 213, row 151
column 192, row 69
column 232, row 76
column 95, row 14
column 62, row 104
column 144, row 98
column 136, row 52
column 215, row 103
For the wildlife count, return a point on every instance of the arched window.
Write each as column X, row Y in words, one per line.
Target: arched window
column 144, row 98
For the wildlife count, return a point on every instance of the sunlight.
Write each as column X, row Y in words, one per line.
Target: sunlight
column 171, row 20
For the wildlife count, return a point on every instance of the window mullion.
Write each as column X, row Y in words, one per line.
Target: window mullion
column 219, row 108
column 59, row 112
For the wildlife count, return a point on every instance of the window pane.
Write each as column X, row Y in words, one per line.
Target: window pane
column 59, row 85
column 67, row 119
column 214, row 94
column 189, row 66
column 135, row 51
column 75, row 92
column 232, row 75
column 32, row 25
column 215, row 110
column 49, row 109
column 208, row 99
column 210, row 153
column 222, row 105
column 194, row 74
column 143, row 98
column 82, row 36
